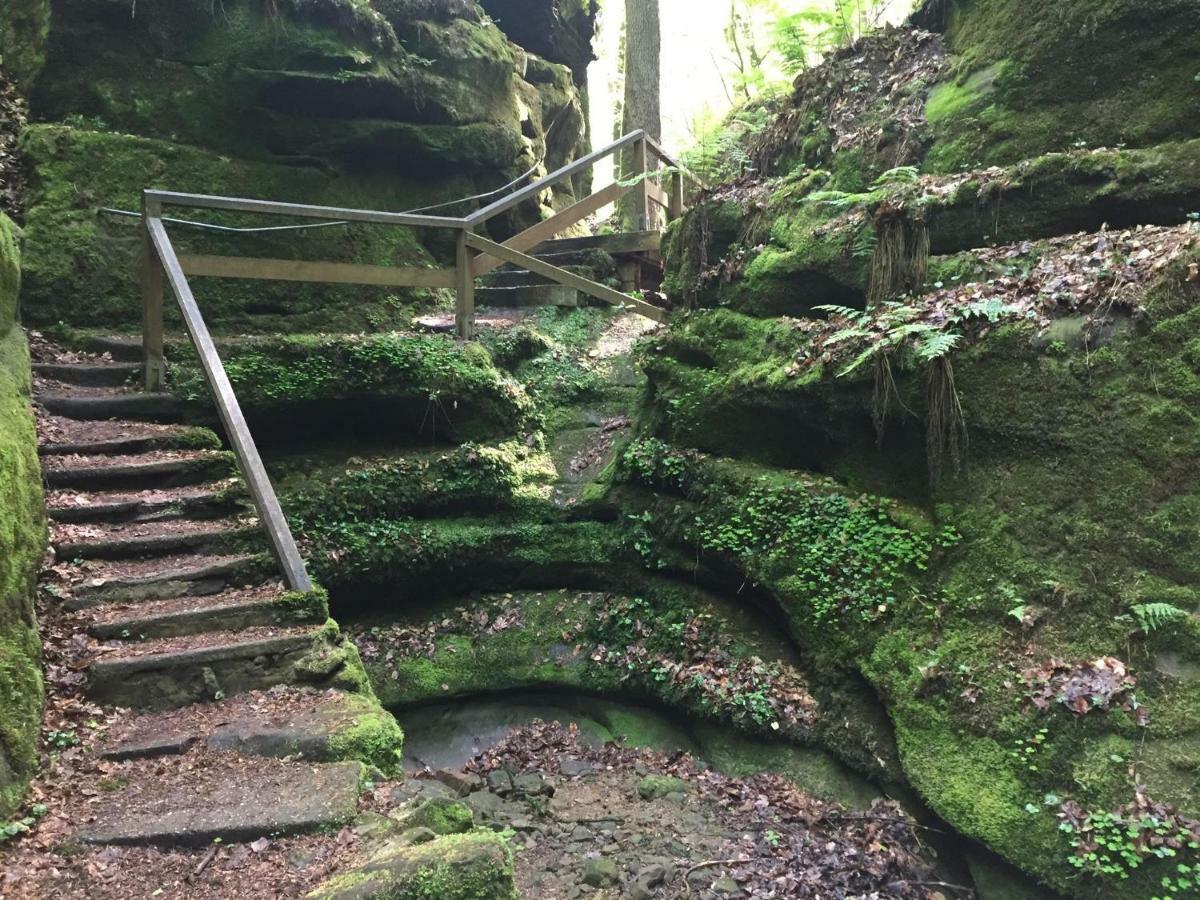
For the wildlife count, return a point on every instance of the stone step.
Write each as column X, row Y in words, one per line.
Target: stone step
column 97, row 374
column 207, row 500
column 127, row 540
column 60, row 436
column 165, row 578
column 172, row 672
column 193, row 802
column 119, row 347
column 531, row 295
column 284, row 721
column 155, row 470
column 143, row 406
column 233, row 610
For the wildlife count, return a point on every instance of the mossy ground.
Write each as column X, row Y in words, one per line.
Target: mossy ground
column 22, row 541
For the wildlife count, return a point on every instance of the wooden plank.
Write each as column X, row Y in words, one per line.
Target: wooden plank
column 320, row 272
column 269, row 512
column 464, row 270
column 548, row 228
column 675, row 207
column 616, row 244
column 657, row 195
column 570, row 279
column 532, row 190
column 641, row 205
column 155, row 369
column 300, row 210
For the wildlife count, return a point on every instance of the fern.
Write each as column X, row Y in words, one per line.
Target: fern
column 1152, row 616
column 865, row 243
column 854, row 315
column 991, row 308
column 936, row 345
column 839, row 200
column 898, row 175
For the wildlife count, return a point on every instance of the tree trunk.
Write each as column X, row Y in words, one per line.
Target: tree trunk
column 642, row 106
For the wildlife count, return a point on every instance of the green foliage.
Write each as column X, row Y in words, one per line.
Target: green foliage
column 654, row 462
column 720, row 151
column 844, row 556
column 1153, row 616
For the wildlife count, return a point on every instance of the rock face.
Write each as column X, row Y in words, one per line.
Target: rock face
column 22, row 539
column 392, row 105
column 1015, row 169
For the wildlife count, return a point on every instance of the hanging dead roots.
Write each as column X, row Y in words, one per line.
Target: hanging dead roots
column 901, row 258
column 945, row 427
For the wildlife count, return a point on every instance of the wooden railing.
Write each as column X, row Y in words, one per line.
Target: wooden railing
column 659, row 183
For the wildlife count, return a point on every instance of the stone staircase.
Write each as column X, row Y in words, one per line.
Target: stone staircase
column 253, row 708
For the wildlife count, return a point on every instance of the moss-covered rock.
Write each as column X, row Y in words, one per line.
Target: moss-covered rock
column 474, row 866
column 323, row 101
column 22, row 542
column 1027, row 80
column 1067, row 526
column 24, row 25
column 423, row 384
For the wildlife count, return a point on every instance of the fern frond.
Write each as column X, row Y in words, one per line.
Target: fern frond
column 936, row 345
column 1152, row 616
column 847, row 312
column 898, row 175
column 857, row 362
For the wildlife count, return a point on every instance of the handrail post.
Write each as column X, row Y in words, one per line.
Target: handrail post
column 464, row 275
column 154, row 366
column 641, row 170
column 675, row 196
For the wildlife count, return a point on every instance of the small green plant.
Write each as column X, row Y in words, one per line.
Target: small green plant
column 1025, row 750
column 1153, row 616
column 61, row 740
column 771, row 838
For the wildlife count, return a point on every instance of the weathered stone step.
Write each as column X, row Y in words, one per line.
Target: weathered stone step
column 252, row 607
column 157, row 469
column 171, row 672
column 120, row 347
column 150, row 407
column 126, row 540
column 60, row 436
column 164, row 578
column 530, row 295
column 90, row 374
column 207, row 500
column 285, row 721
column 191, row 803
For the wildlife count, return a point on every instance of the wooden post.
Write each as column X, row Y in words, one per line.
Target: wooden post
column 675, row 197
column 641, row 168
column 464, row 275
column 154, row 374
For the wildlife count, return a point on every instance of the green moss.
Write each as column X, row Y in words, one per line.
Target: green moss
column 474, row 866
column 305, row 606
column 374, row 738
column 24, row 25
column 441, row 817
column 1029, row 80
column 654, row 787
column 22, row 542
column 433, row 382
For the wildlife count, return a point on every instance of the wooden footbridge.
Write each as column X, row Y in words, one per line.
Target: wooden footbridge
column 656, row 181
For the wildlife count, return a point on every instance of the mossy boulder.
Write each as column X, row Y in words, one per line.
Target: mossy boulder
column 22, row 542
column 474, row 866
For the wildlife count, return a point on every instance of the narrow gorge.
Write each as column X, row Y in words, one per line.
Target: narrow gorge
column 833, row 533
